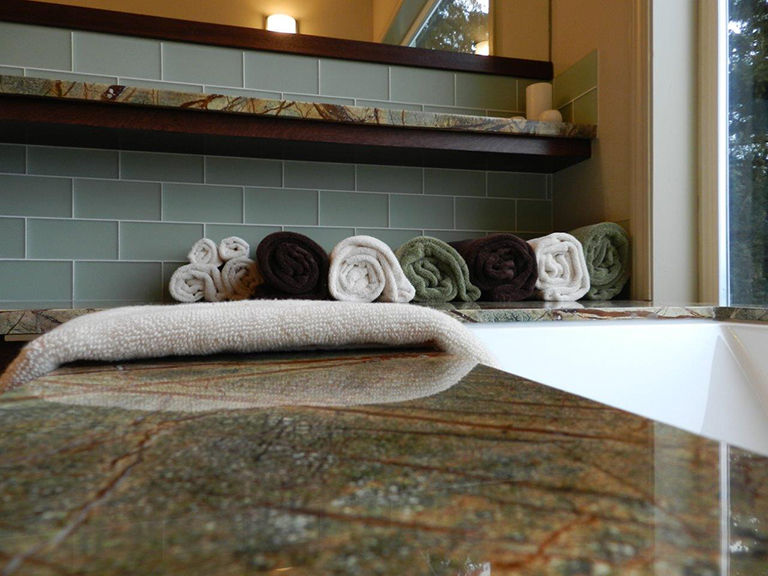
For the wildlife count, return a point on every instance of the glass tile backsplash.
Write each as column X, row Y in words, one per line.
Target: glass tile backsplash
column 86, row 227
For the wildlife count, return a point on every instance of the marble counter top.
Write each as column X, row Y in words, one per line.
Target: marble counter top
column 29, row 322
column 358, row 463
column 137, row 96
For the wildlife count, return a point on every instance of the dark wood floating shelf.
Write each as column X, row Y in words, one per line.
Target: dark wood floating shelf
column 67, row 113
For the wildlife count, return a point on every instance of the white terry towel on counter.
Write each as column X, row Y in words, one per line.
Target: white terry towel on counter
column 245, row 326
column 240, row 278
column 233, row 247
column 563, row 274
column 195, row 282
column 205, row 252
column 364, row 269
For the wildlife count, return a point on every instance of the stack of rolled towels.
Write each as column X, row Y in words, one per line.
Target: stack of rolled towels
column 591, row 262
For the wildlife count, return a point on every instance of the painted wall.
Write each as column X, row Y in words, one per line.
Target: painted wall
column 521, row 29
column 384, row 12
column 599, row 189
column 101, row 227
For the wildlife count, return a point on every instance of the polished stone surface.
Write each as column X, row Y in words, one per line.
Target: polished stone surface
column 87, row 91
column 20, row 322
column 359, row 463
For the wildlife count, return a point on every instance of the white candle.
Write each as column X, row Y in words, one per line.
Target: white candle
column 538, row 98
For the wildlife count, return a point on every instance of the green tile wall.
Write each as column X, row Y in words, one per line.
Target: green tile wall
column 82, row 227
column 575, row 90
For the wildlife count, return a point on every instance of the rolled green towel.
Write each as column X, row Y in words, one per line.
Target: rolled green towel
column 606, row 250
column 436, row 270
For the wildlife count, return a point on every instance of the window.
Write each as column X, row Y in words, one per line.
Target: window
column 748, row 152
column 455, row 25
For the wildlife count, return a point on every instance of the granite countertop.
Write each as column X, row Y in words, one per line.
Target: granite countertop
column 358, row 463
column 134, row 95
column 23, row 322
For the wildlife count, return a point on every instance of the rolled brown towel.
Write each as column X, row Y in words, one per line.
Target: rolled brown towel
column 503, row 266
column 293, row 266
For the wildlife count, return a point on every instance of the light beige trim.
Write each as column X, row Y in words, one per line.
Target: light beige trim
column 641, row 154
column 712, row 178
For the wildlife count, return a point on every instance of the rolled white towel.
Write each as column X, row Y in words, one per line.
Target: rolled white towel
column 233, row 247
column 563, row 274
column 364, row 269
column 205, row 252
column 195, row 282
column 240, row 277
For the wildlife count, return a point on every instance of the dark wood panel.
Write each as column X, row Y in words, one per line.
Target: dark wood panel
column 107, row 21
column 101, row 125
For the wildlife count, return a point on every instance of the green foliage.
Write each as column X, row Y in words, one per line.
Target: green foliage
column 456, row 25
column 748, row 150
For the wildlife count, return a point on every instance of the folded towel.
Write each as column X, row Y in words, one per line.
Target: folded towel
column 348, row 381
column 563, row 274
column 606, row 251
column 364, row 269
column 205, row 252
column 233, row 247
column 240, row 277
column 195, row 282
column 246, row 326
column 503, row 266
column 293, row 266
column 437, row 271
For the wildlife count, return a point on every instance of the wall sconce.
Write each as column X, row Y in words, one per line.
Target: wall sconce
column 482, row 48
column 281, row 23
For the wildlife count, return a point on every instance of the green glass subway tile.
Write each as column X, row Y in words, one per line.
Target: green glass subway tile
column 72, row 162
column 12, row 159
column 517, row 185
column 353, row 209
column 486, row 91
column 251, row 234
column 117, row 200
column 422, row 85
column 155, row 85
column 202, row 203
column 392, row 238
column 71, row 77
column 32, row 281
column 455, row 110
column 157, row 241
column 400, row 179
column 244, row 92
column 116, row 55
column 454, row 182
column 354, row 79
column 161, row 167
column 35, row 46
column 389, row 105
column 504, row 113
column 281, row 206
column 168, row 269
column 326, row 237
column 200, row 63
column 243, row 171
column 71, row 239
column 35, row 196
column 567, row 112
column 454, row 235
column 485, row 214
column 534, row 216
column 576, row 80
column 585, row 109
column 11, row 71
column 319, row 99
column 420, row 211
column 522, row 85
column 11, row 238
column 281, row 72
column 319, row 175
column 136, row 281
column 35, row 304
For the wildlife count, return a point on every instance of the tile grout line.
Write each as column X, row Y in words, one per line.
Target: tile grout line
column 71, row 51
column 26, row 233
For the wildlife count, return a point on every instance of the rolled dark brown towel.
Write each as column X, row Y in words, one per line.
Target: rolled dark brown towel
column 503, row 266
column 293, row 266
